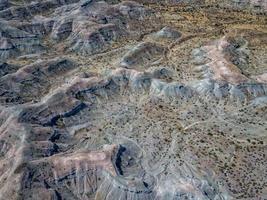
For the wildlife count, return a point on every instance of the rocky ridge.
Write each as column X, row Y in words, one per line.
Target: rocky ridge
column 133, row 100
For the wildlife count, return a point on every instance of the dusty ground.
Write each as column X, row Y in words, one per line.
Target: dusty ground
column 125, row 100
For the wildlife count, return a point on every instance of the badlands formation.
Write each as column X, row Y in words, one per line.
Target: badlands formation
column 133, row 100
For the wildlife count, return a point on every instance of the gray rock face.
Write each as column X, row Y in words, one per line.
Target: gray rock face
column 40, row 26
column 168, row 33
column 4, row 4
column 93, row 27
column 14, row 42
column 33, row 8
column 142, row 54
column 38, row 75
column 95, row 41
column 133, row 100
column 220, row 64
column 6, row 68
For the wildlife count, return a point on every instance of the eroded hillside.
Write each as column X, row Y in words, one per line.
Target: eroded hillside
column 133, row 100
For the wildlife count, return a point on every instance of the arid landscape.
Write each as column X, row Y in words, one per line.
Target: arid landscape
column 133, row 100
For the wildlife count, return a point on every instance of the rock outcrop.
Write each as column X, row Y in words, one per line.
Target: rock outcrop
column 133, row 100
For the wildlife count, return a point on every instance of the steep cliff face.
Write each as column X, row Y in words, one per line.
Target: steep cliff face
column 133, row 100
